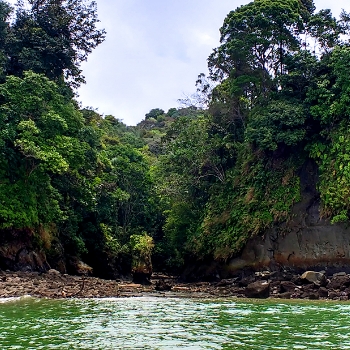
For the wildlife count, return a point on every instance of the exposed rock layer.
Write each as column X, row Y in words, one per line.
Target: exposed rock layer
column 306, row 241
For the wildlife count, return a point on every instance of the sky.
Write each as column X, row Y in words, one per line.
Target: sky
column 154, row 51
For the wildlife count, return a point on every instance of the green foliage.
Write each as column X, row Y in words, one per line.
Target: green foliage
column 231, row 174
column 333, row 159
column 53, row 38
column 330, row 97
column 154, row 113
column 255, row 39
column 111, row 243
column 258, row 193
column 215, row 204
column 141, row 248
column 254, row 194
column 141, row 245
column 73, row 171
column 37, row 128
column 280, row 122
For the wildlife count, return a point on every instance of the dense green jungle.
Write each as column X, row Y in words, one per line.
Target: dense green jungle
column 187, row 185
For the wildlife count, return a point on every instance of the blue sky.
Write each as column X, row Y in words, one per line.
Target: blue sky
column 154, row 51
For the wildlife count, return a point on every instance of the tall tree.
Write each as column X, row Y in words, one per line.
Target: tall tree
column 5, row 11
column 53, row 38
column 255, row 38
column 38, row 139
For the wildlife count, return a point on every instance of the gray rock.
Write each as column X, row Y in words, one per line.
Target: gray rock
column 338, row 274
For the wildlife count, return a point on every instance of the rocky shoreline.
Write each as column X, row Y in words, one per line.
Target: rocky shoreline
column 309, row 285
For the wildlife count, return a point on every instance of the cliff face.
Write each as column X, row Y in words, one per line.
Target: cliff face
column 306, row 241
column 17, row 252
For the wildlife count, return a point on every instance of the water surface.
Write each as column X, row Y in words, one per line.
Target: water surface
column 170, row 323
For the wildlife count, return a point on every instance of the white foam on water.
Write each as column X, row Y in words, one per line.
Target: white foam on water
column 14, row 299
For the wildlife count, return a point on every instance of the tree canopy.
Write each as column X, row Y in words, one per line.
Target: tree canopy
column 53, row 38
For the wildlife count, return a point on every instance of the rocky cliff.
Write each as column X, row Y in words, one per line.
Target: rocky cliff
column 306, row 241
column 18, row 252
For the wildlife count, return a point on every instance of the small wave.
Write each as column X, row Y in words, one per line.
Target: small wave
column 15, row 299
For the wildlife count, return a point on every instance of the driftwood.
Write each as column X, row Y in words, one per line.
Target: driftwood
column 74, row 294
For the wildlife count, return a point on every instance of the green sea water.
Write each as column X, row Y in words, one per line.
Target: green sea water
column 171, row 323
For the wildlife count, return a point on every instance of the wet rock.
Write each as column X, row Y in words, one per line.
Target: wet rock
column 323, row 292
column 309, row 291
column 244, row 282
column 339, row 282
column 317, row 278
column 275, row 276
column 333, row 295
column 297, row 280
column 226, row 282
column 314, row 296
column 275, row 287
column 310, row 287
column 141, row 278
column 161, row 285
column 285, row 295
column 258, row 289
column 288, row 286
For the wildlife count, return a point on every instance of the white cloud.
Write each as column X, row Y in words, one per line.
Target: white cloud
column 154, row 51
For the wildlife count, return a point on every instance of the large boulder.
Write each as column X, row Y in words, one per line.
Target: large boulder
column 56, row 257
column 258, row 289
column 77, row 267
column 318, row 278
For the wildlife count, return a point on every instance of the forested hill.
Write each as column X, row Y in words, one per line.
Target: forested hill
column 184, row 185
